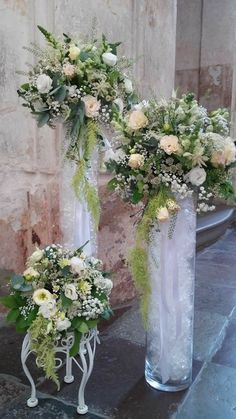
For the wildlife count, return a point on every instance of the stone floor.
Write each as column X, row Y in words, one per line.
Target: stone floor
column 117, row 388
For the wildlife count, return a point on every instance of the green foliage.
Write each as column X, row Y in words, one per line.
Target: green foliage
column 138, row 261
column 43, row 344
column 91, row 138
column 49, row 37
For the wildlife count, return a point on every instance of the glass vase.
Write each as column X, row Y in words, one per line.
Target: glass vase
column 171, row 253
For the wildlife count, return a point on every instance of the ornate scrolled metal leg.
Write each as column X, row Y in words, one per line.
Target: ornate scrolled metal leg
column 25, row 352
column 69, row 378
column 87, row 367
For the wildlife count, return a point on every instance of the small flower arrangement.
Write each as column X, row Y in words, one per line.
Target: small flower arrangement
column 79, row 83
column 168, row 150
column 62, row 291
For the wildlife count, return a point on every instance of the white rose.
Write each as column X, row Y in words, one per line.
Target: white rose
column 162, row 214
column 197, row 176
column 70, row 292
column 92, row 106
column 139, row 106
column 136, row 161
column 109, row 58
column 119, row 102
column 44, row 83
column 128, row 85
column 74, row 52
column 48, row 309
column 63, row 324
column 104, row 284
column 35, row 257
column 41, row 295
column 77, row 265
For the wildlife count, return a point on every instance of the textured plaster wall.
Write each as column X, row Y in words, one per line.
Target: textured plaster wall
column 204, row 49
column 30, row 158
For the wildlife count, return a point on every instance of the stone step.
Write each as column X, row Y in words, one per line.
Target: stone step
column 213, row 225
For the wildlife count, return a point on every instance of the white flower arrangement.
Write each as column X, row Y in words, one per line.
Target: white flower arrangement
column 61, row 291
column 81, row 84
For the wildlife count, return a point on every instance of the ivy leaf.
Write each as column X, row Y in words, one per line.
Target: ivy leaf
column 66, row 302
column 43, row 119
column 9, row 301
column 25, row 86
column 114, row 47
column 83, row 328
column 76, row 322
column 136, row 197
column 13, row 315
column 112, row 184
column 92, row 323
column 75, row 348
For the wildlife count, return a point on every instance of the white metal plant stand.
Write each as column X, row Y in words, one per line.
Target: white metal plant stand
column 86, row 354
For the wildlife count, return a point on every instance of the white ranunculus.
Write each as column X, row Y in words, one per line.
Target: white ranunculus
column 35, row 257
column 48, row 309
column 44, row 83
column 104, row 284
column 128, row 85
column 119, row 102
column 41, row 295
column 197, row 176
column 63, row 324
column 77, row 265
column 109, row 58
column 70, row 292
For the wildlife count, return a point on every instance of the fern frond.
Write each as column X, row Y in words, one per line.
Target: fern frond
column 91, row 139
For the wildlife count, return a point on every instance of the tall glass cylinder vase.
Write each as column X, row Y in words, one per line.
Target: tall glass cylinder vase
column 76, row 223
column 168, row 364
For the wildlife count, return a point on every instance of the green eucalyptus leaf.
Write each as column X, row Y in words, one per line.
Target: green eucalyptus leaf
column 25, row 86
column 43, row 118
column 17, row 281
column 26, row 287
column 84, row 56
column 112, row 184
column 60, row 93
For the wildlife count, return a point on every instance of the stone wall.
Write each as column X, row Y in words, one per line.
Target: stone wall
column 30, row 158
column 204, row 49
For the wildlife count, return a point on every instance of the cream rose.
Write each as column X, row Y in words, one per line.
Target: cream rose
column 74, row 52
column 137, row 120
column 92, row 106
column 35, row 257
column 41, row 296
column 170, row 144
column 69, row 70
column 136, row 161
column 128, row 85
column 70, row 292
column 109, row 58
column 225, row 156
column 48, row 309
column 197, row 176
column 162, row 214
column 44, row 83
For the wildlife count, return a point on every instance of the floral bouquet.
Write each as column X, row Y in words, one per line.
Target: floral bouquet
column 81, row 84
column 168, row 150
column 62, row 291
